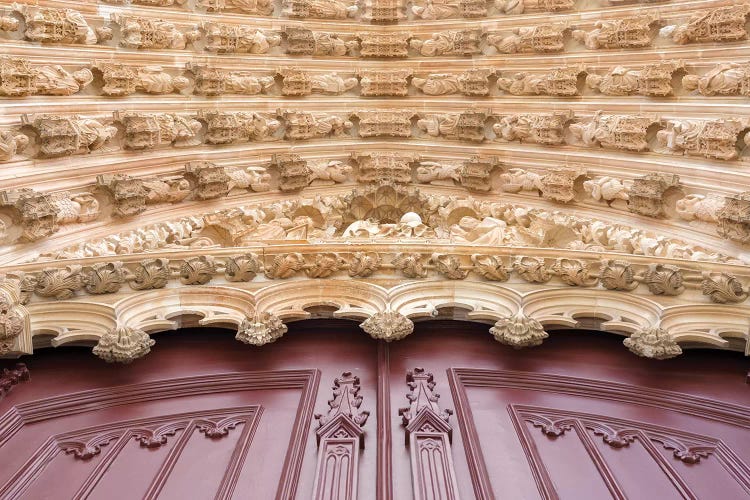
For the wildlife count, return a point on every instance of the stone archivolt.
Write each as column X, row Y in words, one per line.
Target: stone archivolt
column 250, row 106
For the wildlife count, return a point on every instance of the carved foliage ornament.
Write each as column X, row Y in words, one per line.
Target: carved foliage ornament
column 653, row 342
column 519, row 331
column 123, row 344
column 260, row 330
column 388, row 326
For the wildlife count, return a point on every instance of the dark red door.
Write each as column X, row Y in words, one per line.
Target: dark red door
column 204, row 416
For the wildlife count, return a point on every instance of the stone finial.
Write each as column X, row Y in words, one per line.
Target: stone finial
column 519, row 331
column 261, row 330
column 653, row 342
column 123, row 344
column 388, row 326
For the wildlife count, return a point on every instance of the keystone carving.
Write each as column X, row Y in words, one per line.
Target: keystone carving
column 647, row 194
column 449, row 43
column 388, row 326
column 544, row 38
column 627, row 132
column 723, row 79
column 128, row 195
column 260, row 330
column 69, row 135
column 48, row 25
column 152, row 34
column 215, row 82
column 238, row 39
column 653, row 80
column 725, row 24
column 519, row 331
column 734, row 218
column 711, row 139
column 626, row 33
column 123, row 344
column 18, row 78
column 652, row 342
column 122, row 80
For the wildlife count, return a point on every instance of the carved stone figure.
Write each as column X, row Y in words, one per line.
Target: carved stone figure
column 488, row 231
column 724, row 24
column 652, row 80
column 229, row 127
column 305, row 42
column 519, row 331
column 652, row 342
column 19, row 78
column 647, row 194
column 256, row 7
column 543, row 38
column 547, row 129
column 384, row 82
column 300, row 125
column 68, row 135
column 123, row 80
column 79, row 207
column 166, row 189
column 515, row 180
column 445, row 43
column 331, row 83
column 388, row 326
column 560, row 82
column 238, row 39
column 256, row 179
column 9, row 23
column 329, row 172
column 466, row 126
column 711, row 139
column 734, row 218
column 723, row 79
column 123, row 344
column 48, row 25
column 12, row 320
column 374, row 44
column 471, row 82
column 150, row 33
column 625, row 33
column 128, row 195
column 151, row 130
column 628, row 132
column 607, row 189
column 700, row 207
column 429, row 172
column 215, row 82
column 319, row 9
column 12, row 143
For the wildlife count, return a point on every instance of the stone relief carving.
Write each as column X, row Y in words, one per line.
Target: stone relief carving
column 724, row 24
column 18, row 77
column 172, row 189
column 608, row 189
column 700, row 207
column 473, row 82
column 34, row 212
column 444, row 43
column 374, row 44
column 723, row 79
column 48, row 25
column 383, row 11
column 300, row 125
column 388, row 326
column 653, row 80
column 123, row 344
column 149, row 33
column 734, row 218
column 626, row 33
column 319, row 9
column 617, row 275
column 215, row 82
column 12, row 143
column 653, row 342
column 69, row 135
column 103, row 278
column 514, row 7
column 378, row 167
column 223, row 127
column 723, row 288
column 128, row 195
column 71, row 208
column 519, row 331
column 647, row 193
column 305, row 42
column 151, row 130
column 385, row 123
column 664, row 279
column 627, row 132
column 122, row 80
column 12, row 318
column 384, row 82
column 562, row 81
column 257, row 7
column 559, row 184
column 711, row 139
column 466, row 126
column 237, row 39
column 547, row 129
column 297, row 82
column 543, row 38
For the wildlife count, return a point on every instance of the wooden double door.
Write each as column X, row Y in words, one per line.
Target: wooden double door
column 204, row 416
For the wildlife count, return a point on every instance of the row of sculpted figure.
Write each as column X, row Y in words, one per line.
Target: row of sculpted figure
column 19, row 78
column 373, row 10
column 49, row 25
column 50, row 135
